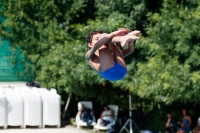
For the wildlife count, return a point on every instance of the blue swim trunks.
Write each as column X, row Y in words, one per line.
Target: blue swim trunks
column 115, row 73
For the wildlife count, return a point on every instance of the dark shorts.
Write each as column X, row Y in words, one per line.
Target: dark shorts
column 106, row 122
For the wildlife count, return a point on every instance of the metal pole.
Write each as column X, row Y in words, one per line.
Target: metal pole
column 130, row 113
column 130, row 120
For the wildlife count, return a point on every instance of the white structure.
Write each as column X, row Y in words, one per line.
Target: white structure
column 53, row 91
column 51, row 107
column 98, row 126
column 88, row 105
column 32, row 107
column 3, row 110
column 25, row 106
column 15, row 107
column 12, row 84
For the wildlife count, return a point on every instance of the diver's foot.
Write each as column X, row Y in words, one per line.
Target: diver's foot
column 135, row 33
column 126, row 39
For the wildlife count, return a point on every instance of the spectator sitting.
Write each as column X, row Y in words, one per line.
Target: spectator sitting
column 170, row 126
column 106, row 116
column 197, row 128
column 86, row 115
column 186, row 123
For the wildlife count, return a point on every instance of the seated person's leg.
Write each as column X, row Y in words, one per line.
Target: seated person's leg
column 87, row 120
column 167, row 130
column 194, row 130
column 180, row 131
column 183, row 131
column 84, row 119
column 174, row 129
column 106, row 122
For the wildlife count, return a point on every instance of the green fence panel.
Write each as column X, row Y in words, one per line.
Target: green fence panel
column 13, row 64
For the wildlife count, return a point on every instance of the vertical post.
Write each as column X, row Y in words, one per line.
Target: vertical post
column 130, row 119
column 66, row 106
column 130, row 113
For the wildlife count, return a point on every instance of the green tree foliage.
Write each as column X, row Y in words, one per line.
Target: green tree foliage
column 171, row 69
column 164, row 67
column 40, row 28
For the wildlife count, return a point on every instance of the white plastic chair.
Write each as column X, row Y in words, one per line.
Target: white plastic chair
column 3, row 110
column 15, row 107
column 51, row 107
column 88, row 105
column 98, row 126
